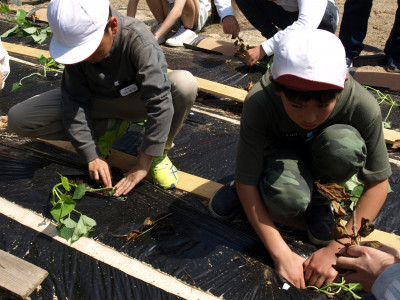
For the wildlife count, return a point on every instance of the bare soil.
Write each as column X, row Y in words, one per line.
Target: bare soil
column 379, row 26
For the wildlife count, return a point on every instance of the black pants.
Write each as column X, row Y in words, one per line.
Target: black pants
column 267, row 17
column 354, row 28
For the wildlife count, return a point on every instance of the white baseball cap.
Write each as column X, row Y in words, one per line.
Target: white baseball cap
column 310, row 60
column 78, row 28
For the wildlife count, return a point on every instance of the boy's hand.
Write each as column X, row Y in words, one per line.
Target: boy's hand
column 134, row 176
column 254, row 55
column 130, row 180
column 99, row 171
column 318, row 270
column 291, row 267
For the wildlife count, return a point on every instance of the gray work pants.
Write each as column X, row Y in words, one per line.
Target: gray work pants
column 40, row 116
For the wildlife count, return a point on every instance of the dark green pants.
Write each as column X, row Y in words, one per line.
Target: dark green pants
column 334, row 155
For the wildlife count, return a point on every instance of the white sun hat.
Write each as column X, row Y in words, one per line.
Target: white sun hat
column 78, row 28
column 310, row 60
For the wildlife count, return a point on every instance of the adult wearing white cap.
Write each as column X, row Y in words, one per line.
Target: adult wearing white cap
column 115, row 73
column 305, row 121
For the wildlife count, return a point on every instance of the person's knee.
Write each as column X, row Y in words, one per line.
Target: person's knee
column 340, row 150
column 184, row 87
column 16, row 120
column 287, row 198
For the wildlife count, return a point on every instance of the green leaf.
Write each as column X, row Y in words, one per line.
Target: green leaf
column 16, row 86
column 11, row 32
column 358, row 190
column 67, row 228
column 40, row 38
column 30, row 30
column 20, row 16
column 65, row 183
column 83, row 228
column 79, row 192
column 4, row 8
column 63, row 208
column 42, row 59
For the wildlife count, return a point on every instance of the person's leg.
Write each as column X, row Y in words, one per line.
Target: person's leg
column 204, row 8
column 184, row 90
column 266, row 15
column 338, row 152
column 392, row 47
column 157, row 8
column 190, row 14
column 286, row 187
column 39, row 117
column 330, row 19
column 354, row 26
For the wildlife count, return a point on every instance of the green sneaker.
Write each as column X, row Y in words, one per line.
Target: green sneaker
column 117, row 129
column 164, row 173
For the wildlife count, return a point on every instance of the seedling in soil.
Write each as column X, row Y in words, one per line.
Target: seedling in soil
column 47, row 62
column 337, row 195
column 242, row 51
column 64, row 195
column 384, row 99
column 24, row 27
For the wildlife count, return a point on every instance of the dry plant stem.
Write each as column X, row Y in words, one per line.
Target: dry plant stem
column 356, row 238
column 194, row 282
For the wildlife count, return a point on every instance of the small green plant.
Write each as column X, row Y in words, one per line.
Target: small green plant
column 64, row 195
column 334, row 288
column 384, row 99
column 24, row 27
column 5, row 10
column 48, row 63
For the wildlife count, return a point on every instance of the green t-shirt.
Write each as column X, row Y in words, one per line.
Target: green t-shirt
column 264, row 123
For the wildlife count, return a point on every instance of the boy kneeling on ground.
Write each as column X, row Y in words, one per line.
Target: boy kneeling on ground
column 305, row 120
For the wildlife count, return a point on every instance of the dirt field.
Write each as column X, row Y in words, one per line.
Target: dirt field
column 380, row 23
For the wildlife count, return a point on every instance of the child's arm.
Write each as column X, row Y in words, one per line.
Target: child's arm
column 286, row 262
column 132, row 7
column 171, row 18
column 318, row 267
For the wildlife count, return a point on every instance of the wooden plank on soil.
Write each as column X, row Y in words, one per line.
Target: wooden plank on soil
column 378, row 79
column 391, row 136
column 24, row 50
column 187, row 182
column 19, row 276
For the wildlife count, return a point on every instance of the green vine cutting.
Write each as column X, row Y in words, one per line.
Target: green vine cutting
column 64, row 195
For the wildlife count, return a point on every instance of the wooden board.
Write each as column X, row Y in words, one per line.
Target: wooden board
column 391, row 136
column 187, row 182
column 18, row 276
column 378, row 79
column 24, row 51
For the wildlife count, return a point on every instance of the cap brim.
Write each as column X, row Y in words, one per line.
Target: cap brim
column 73, row 55
column 300, row 84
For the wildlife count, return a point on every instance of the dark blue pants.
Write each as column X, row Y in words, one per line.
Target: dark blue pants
column 266, row 16
column 354, row 28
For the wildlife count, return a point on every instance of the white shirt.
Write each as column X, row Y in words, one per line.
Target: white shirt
column 311, row 13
